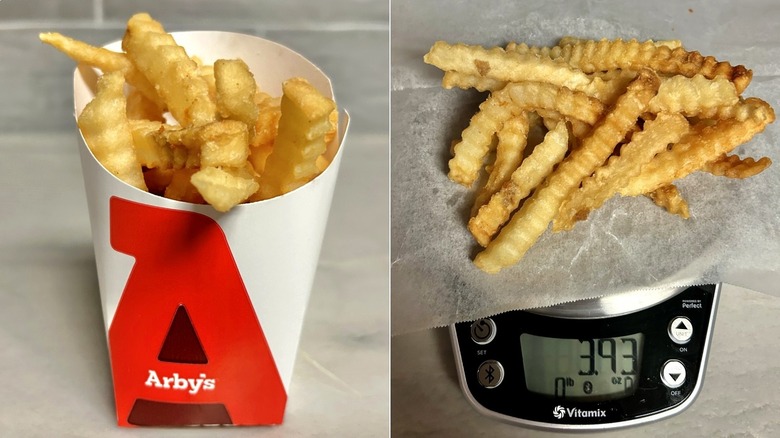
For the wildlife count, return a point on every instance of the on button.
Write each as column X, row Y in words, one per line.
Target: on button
column 483, row 331
column 681, row 330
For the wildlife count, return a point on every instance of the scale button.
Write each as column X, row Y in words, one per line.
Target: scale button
column 490, row 374
column 681, row 330
column 673, row 374
column 483, row 331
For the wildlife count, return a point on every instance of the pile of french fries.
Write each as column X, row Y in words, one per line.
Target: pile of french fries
column 620, row 117
column 228, row 142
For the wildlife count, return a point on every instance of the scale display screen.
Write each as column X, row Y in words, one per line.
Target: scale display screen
column 582, row 369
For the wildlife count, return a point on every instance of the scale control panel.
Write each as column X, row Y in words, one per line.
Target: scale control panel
column 596, row 364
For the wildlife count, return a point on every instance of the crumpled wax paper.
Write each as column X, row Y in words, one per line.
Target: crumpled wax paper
column 733, row 234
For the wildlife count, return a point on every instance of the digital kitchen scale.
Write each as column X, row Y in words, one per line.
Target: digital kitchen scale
column 609, row 362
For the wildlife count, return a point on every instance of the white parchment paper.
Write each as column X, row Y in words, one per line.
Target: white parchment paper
column 733, row 234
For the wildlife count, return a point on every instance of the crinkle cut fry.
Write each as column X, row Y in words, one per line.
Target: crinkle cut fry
column 535, row 215
column 606, row 180
column 695, row 96
column 156, row 54
column 525, row 178
column 706, row 142
column 512, row 140
column 105, row 60
column 670, row 199
column 606, row 54
column 568, row 103
column 672, row 44
column 106, row 130
column 476, row 139
column 732, row 166
column 498, row 64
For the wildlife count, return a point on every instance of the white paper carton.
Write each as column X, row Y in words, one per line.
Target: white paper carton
column 204, row 310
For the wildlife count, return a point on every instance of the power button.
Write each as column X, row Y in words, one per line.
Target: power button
column 483, row 331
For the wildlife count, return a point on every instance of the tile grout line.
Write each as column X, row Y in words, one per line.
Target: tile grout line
column 99, row 22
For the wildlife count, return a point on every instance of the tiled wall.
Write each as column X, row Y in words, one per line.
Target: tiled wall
column 347, row 38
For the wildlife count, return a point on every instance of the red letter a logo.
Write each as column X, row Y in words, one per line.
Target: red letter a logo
column 183, row 261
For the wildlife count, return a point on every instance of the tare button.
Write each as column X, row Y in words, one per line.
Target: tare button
column 680, row 330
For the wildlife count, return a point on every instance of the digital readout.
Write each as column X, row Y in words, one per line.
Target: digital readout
column 584, row 369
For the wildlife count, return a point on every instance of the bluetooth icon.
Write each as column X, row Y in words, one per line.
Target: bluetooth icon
column 490, row 374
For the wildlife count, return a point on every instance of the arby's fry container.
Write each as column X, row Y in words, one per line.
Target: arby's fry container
column 203, row 310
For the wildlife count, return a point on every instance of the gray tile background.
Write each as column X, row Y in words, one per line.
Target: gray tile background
column 51, row 337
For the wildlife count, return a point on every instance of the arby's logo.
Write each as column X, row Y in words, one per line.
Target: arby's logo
column 185, row 343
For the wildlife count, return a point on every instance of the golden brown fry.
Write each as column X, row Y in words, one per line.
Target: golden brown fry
column 157, row 180
column 670, row 199
column 731, row 166
column 537, row 212
column 509, row 153
column 105, row 60
column 456, row 79
column 530, row 174
column 235, row 90
column 696, row 96
column 606, row 54
column 705, row 143
column 150, row 149
column 607, row 180
column 304, row 122
column 181, row 189
column 570, row 104
column 267, row 126
column 166, row 65
column 476, row 139
column 105, row 128
column 139, row 107
column 672, row 44
column 498, row 64
column 224, row 188
column 220, row 143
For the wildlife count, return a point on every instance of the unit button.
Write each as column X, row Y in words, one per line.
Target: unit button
column 490, row 374
column 673, row 374
column 483, row 331
column 681, row 330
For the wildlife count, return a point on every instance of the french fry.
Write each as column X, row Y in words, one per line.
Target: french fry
column 105, row 128
column 225, row 128
column 156, row 55
column 525, row 227
column 235, row 92
column 509, row 153
column 530, row 174
column 105, row 60
column 477, row 138
column 223, row 188
column 694, row 116
column 496, row 63
column 731, row 166
column 705, row 143
column 607, row 180
column 606, row 54
column 670, row 199
column 304, row 122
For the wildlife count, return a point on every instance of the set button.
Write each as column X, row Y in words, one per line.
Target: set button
column 680, row 330
column 483, row 331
